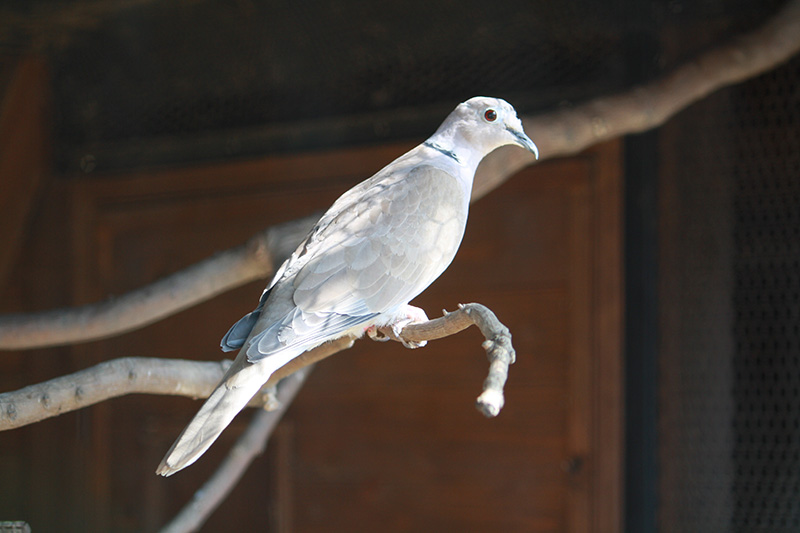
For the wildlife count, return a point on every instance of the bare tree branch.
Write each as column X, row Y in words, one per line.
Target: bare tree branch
column 132, row 375
column 177, row 377
column 108, row 380
column 497, row 345
column 151, row 303
column 558, row 133
column 569, row 131
column 252, row 443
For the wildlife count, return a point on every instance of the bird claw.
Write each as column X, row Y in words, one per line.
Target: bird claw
column 412, row 315
column 397, row 328
column 393, row 331
column 376, row 334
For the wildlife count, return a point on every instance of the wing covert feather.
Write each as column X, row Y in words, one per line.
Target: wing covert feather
column 387, row 248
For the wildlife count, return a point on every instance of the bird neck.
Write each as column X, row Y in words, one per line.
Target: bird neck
column 462, row 149
column 449, row 153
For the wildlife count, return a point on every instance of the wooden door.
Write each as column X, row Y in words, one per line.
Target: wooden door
column 381, row 438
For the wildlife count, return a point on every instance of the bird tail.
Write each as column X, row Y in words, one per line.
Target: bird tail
column 241, row 382
column 215, row 415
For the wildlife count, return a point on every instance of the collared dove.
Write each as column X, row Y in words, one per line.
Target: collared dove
column 378, row 246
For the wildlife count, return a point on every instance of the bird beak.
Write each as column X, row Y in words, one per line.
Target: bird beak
column 525, row 142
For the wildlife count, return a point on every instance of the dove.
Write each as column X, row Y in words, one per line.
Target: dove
column 379, row 245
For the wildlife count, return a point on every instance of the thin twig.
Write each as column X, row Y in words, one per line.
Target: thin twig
column 252, row 443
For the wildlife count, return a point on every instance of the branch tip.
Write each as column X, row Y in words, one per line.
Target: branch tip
column 490, row 402
column 497, row 345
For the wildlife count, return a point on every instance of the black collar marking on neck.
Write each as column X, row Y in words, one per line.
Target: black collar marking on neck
column 448, row 153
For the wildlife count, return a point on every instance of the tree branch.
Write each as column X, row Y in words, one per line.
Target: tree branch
column 133, row 375
column 558, row 133
column 497, row 345
column 151, row 303
column 177, row 377
column 569, row 131
column 107, row 380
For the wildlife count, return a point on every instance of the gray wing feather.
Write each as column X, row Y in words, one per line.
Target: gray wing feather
column 302, row 329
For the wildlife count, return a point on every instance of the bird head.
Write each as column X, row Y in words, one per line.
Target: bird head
column 484, row 124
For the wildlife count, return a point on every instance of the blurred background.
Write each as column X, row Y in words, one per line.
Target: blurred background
column 652, row 284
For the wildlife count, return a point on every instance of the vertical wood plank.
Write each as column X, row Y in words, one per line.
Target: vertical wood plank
column 580, row 465
column 607, row 311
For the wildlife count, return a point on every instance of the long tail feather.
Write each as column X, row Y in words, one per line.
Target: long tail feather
column 242, row 381
column 215, row 415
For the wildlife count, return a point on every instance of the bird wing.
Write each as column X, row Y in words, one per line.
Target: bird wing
column 370, row 253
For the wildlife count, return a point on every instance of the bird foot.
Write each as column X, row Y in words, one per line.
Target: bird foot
column 392, row 331
column 377, row 334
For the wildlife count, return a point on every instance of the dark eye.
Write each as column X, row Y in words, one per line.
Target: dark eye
column 490, row 115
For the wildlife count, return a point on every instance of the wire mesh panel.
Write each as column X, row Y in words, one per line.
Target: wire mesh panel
column 730, row 361
column 696, row 344
column 767, row 303
column 178, row 71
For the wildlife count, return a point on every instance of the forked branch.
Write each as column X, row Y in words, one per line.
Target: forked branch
column 254, row 439
column 196, row 379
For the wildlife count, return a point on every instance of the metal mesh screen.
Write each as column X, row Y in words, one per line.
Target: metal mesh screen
column 151, row 83
column 766, row 298
column 265, row 76
column 165, row 83
column 730, row 327
column 696, row 346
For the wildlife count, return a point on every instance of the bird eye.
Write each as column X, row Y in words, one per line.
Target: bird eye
column 490, row 115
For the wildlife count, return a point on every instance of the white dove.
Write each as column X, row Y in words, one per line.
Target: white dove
column 379, row 245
